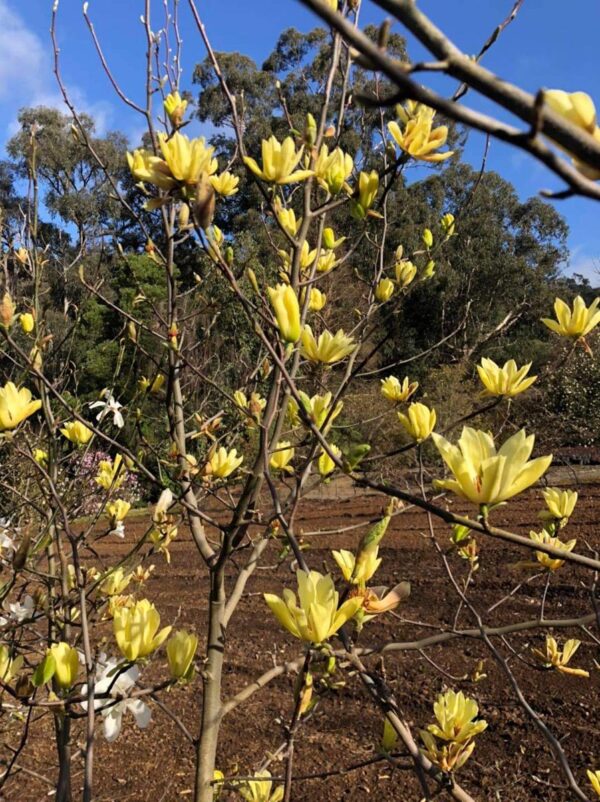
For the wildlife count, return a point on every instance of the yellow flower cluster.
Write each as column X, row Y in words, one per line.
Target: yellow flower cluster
column 450, row 741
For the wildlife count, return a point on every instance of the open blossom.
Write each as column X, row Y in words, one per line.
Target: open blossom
column 485, row 475
column 328, row 348
column 394, row 390
column 347, row 564
column 576, row 322
column 405, row 272
column 279, row 162
column 136, row 630
column 419, row 421
column 450, row 741
column 418, row 137
column 223, row 463
column 333, row 169
column 111, row 474
column 16, row 404
column 317, row 616
column 547, row 560
column 261, row 789
column 110, row 406
column 118, row 684
column 281, row 457
column 559, row 504
column 553, row 657
column 77, row 432
column 507, row 381
column 225, row 184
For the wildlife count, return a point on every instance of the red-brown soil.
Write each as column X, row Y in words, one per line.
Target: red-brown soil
column 511, row 763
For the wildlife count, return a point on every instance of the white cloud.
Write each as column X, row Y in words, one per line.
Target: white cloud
column 585, row 265
column 23, row 59
column 26, row 62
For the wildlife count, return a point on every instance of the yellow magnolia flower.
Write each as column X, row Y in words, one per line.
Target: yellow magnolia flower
column 22, row 255
column 419, row 139
column 66, row 662
column 419, row 421
column 328, row 348
column 553, row 657
column 546, row 560
column 225, row 184
column 175, row 107
column 279, row 162
column 282, row 456
column 187, row 159
column 111, row 474
column 318, row 408
column 117, row 510
column 376, row 601
column 487, row 476
column 181, row 649
column 456, row 714
column 16, row 404
column 316, row 300
column 115, row 582
column 448, row 224
column 329, row 240
column 223, row 463
column 40, row 456
column 394, row 391
column 136, row 630
column 9, row 667
column 27, row 322
column 368, row 186
column 405, row 273
column 357, row 573
column 147, row 167
column 507, row 380
column 594, row 778
column 325, row 464
column 384, row 290
column 287, row 311
column 287, row 219
column 162, row 537
column 317, row 617
column 575, row 323
column 260, row 789
column 307, row 257
column 333, row 169
column 327, row 261
column 576, row 107
column 559, row 503
column 77, row 432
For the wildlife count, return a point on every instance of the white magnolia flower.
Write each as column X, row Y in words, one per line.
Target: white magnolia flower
column 118, row 530
column 109, row 407
column 19, row 611
column 6, row 542
column 117, row 684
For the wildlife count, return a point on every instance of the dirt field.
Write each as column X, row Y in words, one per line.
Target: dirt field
column 511, row 762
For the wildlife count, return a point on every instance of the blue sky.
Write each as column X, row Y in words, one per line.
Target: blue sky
column 551, row 44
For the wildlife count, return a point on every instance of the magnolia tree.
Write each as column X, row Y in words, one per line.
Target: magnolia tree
column 79, row 639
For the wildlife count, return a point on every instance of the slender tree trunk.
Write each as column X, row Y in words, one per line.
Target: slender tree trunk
column 211, row 703
column 63, row 733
